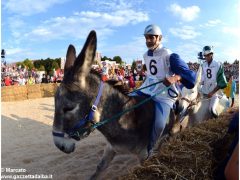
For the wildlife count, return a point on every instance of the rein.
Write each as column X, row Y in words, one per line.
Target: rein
column 86, row 125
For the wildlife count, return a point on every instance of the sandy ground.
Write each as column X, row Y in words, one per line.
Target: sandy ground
column 27, row 144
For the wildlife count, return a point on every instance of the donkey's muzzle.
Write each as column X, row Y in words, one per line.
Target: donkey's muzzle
column 65, row 144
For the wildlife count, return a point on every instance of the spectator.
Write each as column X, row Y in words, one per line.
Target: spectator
column 30, row 80
column 21, row 80
column 231, row 89
column 8, row 81
column 44, row 79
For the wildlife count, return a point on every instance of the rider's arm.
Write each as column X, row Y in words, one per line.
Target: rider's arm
column 213, row 91
column 221, row 81
column 180, row 68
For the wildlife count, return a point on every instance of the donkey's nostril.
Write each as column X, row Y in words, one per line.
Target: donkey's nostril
column 62, row 148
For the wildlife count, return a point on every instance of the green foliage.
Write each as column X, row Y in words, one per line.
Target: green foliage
column 55, row 65
column 105, row 58
column 20, row 64
column 42, row 65
column 118, row 59
column 41, row 68
column 28, row 63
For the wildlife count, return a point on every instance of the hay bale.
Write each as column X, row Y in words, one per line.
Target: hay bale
column 20, row 92
column 7, row 93
column 33, row 91
column 192, row 154
column 48, row 90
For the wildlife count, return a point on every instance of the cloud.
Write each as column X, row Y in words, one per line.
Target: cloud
column 29, row 7
column 186, row 32
column 134, row 49
column 234, row 31
column 79, row 24
column 212, row 23
column 186, row 14
column 188, row 51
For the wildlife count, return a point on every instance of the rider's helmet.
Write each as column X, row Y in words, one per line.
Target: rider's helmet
column 207, row 50
column 152, row 30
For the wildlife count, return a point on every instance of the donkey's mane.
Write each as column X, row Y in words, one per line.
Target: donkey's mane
column 118, row 85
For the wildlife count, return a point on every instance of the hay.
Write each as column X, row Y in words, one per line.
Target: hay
column 18, row 93
column 192, row 154
column 34, row 91
column 48, row 90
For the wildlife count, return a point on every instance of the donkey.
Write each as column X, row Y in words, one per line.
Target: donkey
column 193, row 106
column 83, row 100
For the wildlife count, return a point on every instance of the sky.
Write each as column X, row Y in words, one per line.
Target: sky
column 38, row 29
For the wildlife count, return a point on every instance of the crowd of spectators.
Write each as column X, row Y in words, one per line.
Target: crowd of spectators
column 12, row 75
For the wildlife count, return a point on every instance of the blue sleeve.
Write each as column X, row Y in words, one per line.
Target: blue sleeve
column 179, row 67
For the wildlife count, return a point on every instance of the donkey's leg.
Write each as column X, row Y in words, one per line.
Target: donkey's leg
column 108, row 156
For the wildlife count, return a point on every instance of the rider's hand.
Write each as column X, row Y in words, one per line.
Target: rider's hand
column 171, row 80
column 210, row 94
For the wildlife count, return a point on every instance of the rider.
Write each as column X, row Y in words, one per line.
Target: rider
column 162, row 64
column 213, row 79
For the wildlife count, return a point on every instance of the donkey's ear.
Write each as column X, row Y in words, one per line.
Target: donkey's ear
column 199, row 76
column 70, row 57
column 85, row 59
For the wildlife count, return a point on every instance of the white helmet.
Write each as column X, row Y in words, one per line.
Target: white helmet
column 207, row 50
column 152, row 30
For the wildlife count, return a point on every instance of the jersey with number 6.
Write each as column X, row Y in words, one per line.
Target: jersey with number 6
column 157, row 63
column 209, row 76
column 158, row 67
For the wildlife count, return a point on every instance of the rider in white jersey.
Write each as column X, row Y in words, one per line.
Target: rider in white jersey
column 213, row 79
column 162, row 64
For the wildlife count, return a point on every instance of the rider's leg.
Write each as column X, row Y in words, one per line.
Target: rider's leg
column 162, row 111
column 213, row 105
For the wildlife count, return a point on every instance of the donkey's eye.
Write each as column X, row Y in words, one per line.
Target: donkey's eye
column 67, row 109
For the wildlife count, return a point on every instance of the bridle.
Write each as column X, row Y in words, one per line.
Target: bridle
column 84, row 126
column 190, row 104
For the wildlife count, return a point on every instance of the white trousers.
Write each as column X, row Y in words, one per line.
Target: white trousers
column 213, row 104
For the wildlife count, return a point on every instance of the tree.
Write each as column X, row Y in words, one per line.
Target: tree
column 28, row 63
column 37, row 64
column 20, row 64
column 104, row 58
column 55, row 65
column 118, row 59
column 41, row 68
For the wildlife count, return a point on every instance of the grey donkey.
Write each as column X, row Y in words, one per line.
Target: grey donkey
column 128, row 133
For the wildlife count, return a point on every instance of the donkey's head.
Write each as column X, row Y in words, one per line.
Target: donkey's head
column 75, row 94
column 189, row 96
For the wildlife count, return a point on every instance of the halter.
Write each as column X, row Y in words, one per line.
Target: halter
column 83, row 127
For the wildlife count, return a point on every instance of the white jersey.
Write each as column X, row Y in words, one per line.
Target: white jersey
column 158, row 67
column 209, row 76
